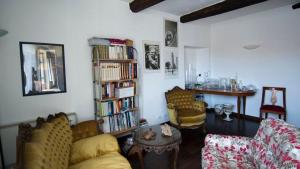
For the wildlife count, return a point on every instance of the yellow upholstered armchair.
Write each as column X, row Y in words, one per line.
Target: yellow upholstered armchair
column 184, row 111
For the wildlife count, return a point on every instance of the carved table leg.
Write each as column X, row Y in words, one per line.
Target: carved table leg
column 176, row 149
column 136, row 149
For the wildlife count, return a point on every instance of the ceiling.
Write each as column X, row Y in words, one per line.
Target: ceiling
column 182, row 7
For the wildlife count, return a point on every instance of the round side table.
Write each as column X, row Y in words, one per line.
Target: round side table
column 158, row 145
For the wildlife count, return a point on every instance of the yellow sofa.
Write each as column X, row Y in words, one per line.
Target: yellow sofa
column 53, row 144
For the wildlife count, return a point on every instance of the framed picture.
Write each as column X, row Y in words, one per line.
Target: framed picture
column 171, row 35
column 151, row 56
column 171, row 62
column 42, row 68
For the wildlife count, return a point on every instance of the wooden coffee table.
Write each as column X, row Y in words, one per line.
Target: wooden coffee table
column 158, row 145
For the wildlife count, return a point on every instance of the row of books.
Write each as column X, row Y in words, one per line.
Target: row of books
column 112, row 52
column 115, row 71
column 107, row 90
column 115, row 106
column 119, row 122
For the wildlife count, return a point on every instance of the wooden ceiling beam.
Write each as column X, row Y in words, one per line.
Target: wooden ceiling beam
column 219, row 8
column 139, row 5
column 296, row 6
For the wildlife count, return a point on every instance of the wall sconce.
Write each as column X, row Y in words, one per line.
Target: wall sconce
column 3, row 32
column 251, row 47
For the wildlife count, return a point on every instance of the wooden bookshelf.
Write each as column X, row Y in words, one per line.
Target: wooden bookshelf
column 115, row 78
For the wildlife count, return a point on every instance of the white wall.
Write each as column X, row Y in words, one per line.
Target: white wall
column 72, row 22
column 274, row 63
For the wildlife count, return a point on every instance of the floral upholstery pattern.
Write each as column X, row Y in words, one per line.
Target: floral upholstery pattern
column 275, row 145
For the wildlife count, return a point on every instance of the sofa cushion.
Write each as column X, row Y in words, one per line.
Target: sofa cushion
column 49, row 147
column 113, row 160
column 219, row 158
column 92, row 147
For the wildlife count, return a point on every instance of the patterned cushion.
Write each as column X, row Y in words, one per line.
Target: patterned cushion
column 50, row 146
column 218, row 158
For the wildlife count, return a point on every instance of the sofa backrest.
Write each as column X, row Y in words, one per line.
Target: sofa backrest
column 277, row 142
column 47, row 146
column 182, row 99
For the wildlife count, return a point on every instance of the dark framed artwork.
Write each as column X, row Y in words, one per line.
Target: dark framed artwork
column 171, row 34
column 151, row 56
column 42, row 68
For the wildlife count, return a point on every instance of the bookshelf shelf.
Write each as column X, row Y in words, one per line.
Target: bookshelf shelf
column 115, row 81
column 114, row 60
column 110, row 81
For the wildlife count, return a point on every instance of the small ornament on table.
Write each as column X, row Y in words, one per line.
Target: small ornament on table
column 149, row 134
column 166, row 130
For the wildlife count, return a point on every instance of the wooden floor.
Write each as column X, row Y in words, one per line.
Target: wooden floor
column 193, row 141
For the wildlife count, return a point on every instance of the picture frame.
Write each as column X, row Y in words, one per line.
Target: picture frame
column 170, row 33
column 42, row 68
column 151, row 56
column 171, row 62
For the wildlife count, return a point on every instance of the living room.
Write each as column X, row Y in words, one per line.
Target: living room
column 271, row 29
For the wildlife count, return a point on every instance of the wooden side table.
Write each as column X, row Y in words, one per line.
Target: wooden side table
column 158, row 145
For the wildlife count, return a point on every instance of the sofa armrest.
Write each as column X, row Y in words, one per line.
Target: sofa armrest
column 173, row 115
column 86, row 129
column 229, row 143
column 92, row 147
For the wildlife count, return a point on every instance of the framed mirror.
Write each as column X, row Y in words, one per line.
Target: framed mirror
column 42, row 68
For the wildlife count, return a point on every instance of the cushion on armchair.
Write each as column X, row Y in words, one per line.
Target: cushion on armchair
column 93, row 147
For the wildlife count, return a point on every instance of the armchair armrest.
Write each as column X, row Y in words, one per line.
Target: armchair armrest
column 229, row 143
column 172, row 112
column 86, row 129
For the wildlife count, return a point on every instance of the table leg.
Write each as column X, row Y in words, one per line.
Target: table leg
column 244, row 105
column 239, row 106
column 136, row 149
column 176, row 149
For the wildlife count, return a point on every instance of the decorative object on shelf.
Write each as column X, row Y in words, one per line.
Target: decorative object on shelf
column 171, row 33
column 151, row 56
column 219, row 109
column 166, row 130
column 149, row 134
column 115, row 71
column 42, row 68
column 171, row 62
column 227, row 110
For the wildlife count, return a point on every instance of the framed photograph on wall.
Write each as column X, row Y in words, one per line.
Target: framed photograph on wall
column 151, row 56
column 171, row 33
column 171, row 62
column 42, row 68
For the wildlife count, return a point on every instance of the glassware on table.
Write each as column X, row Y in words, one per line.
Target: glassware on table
column 227, row 110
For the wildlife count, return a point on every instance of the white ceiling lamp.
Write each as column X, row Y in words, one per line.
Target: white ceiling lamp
column 251, row 46
column 3, row 32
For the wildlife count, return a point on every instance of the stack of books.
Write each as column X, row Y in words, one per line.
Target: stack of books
column 115, row 106
column 114, row 71
column 119, row 122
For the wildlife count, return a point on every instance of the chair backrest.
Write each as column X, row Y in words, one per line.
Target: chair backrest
column 180, row 98
column 279, row 142
column 282, row 89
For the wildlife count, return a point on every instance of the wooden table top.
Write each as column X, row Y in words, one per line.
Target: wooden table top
column 224, row 92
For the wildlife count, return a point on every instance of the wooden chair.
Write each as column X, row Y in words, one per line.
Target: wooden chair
column 276, row 109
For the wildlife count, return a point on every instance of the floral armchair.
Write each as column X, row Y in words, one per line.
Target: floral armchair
column 275, row 145
column 184, row 111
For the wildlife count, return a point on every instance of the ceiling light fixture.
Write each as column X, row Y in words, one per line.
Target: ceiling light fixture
column 3, row 32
